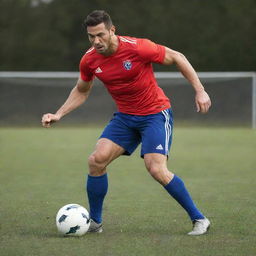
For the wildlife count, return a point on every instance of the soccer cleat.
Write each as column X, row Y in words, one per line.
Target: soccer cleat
column 95, row 227
column 200, row 227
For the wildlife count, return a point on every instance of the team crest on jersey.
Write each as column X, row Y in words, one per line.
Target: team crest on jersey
column 127, row 64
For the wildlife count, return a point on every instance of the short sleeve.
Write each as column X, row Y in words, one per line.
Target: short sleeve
column 150, row 51
column 85, row 72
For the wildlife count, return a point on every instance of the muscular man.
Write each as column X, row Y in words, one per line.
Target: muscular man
column 124, row 65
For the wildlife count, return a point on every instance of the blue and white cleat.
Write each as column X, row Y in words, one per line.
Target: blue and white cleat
column 200, row 227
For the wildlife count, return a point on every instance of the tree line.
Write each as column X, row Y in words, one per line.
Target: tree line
column 48, row 35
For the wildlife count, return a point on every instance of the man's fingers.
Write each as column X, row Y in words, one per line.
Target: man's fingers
column 197, row 107
column 202, row 107
column 46, row 124
column 46, row 120
column 205, row 107
column 203, row 102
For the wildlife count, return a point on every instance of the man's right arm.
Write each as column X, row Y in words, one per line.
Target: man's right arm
column 77, row 97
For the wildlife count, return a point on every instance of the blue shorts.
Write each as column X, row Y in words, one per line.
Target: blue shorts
column 153, row 131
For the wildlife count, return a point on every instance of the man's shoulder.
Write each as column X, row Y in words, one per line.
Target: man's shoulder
column 88, row 56
column 89, row 53
column 133, row 44
column 140, row 44
column 128, row 40
column 131, row 40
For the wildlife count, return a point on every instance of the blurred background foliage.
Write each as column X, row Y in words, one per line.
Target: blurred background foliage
column 48, row 35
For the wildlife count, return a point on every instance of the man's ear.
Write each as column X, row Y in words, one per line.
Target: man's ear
column 112, row 30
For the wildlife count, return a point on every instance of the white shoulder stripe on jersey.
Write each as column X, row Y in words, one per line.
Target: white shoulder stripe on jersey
column 128, row 39
column 91, row 49
column 131, row 41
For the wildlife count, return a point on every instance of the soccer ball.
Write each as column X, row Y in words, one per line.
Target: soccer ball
column 72, row 220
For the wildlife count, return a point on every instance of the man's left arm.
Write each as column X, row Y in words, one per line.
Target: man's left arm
column 202, row 99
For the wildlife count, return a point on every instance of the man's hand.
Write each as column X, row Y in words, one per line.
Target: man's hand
column 203, row 101
column 48, row 119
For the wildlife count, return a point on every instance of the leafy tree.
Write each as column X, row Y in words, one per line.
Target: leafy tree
column 48, row 35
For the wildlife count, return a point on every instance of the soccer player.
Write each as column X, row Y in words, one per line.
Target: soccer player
column 124, row 65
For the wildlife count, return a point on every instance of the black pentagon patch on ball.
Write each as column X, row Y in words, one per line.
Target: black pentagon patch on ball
column 71, row 207
column 85, row 216
column 73, row 230
column 62, row 218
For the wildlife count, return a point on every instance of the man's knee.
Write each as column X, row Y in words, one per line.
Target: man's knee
column 97, row 163
column 156, row 166
column 154, row 170
column 160, row 173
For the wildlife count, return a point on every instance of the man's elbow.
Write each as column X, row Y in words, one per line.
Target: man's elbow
column 173, row 57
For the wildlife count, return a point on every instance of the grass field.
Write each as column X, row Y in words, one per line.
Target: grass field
column 44, row 169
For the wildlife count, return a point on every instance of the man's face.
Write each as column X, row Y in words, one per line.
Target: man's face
column 100, row 37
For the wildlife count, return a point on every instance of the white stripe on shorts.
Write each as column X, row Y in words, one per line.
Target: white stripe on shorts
column 168, row 130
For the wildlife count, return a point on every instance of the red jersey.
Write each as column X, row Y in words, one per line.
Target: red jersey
column 128, row 75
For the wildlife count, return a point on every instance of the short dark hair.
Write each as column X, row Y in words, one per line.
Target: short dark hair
column 96, row 17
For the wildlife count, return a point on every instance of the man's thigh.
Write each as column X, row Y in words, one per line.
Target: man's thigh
column 119, row 132
column 108, row 150
column 157, row 135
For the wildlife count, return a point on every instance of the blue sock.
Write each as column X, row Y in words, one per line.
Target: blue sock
column 97, row 187
column 178, row 191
